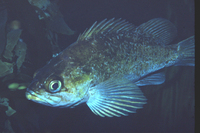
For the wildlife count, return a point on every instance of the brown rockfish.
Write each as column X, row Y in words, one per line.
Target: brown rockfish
column 107, row 63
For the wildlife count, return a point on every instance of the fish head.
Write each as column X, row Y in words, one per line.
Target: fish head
column 59, row 84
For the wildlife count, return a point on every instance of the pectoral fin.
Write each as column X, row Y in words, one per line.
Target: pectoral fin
column 115, row 97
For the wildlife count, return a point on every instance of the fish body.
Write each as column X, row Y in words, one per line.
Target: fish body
column 107, row 63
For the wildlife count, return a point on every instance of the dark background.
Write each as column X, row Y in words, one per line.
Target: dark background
column 170, row 106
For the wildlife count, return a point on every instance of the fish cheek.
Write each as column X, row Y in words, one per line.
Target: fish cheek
column 67, row 90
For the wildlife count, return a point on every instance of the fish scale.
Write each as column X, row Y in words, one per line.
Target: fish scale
column 106, row 65
column 120, row 55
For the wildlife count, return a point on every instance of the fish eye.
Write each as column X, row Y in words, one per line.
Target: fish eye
column 55, row 85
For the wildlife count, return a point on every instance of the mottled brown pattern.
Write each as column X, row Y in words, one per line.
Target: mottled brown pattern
column 126, row 52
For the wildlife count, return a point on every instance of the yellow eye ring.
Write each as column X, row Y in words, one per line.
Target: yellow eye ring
column 55, row 86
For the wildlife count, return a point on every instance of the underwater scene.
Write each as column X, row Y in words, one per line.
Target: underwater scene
column 97, row 66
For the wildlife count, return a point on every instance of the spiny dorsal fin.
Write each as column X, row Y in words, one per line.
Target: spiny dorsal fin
column 105, row 27
column 161, row 29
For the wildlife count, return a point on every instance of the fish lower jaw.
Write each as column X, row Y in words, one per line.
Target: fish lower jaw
column 29, row 96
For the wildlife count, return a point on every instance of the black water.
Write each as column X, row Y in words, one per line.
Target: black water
column 79, row 15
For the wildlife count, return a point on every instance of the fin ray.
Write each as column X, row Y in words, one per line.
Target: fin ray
column 115, row 97
column 160, row 28
column 106, row 26
column 154, row 79
column 186, row 51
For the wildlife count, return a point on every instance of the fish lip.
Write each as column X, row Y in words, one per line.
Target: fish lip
column 31, row 95
column 28, row 94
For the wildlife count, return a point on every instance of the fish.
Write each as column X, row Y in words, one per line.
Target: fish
column 107, row 64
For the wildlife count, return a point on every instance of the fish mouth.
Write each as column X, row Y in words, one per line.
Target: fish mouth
column 31, row 95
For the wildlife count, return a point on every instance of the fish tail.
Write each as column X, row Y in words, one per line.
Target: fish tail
column 186, row 52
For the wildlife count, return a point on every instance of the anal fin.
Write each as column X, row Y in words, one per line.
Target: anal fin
column 154, row 79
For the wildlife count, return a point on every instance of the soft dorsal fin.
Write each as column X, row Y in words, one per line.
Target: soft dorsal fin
column 105, row 27
column 159, row 28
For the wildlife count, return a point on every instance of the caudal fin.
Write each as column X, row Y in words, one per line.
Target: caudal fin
column 186, row 50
